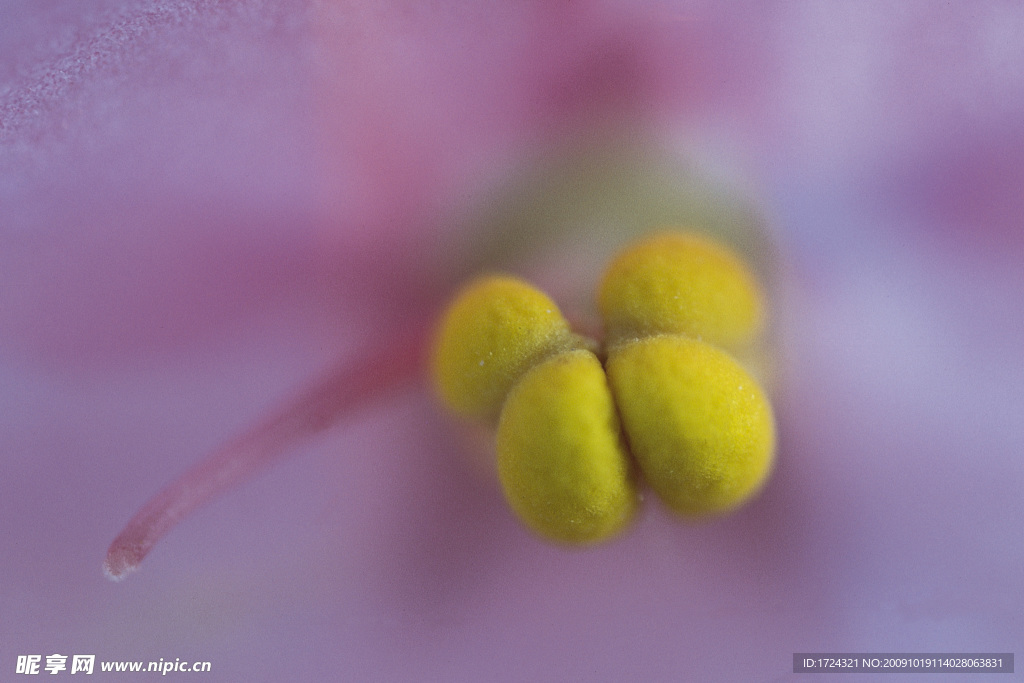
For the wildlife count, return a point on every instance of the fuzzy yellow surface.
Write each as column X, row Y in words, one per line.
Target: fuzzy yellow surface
column 561, row 459
column 494, row 330
column 681, row 284
column 700, row 427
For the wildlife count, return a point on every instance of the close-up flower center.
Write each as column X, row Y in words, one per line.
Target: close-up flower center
column 576, row 418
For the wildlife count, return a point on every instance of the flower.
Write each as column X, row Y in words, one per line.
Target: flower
column 203, row 204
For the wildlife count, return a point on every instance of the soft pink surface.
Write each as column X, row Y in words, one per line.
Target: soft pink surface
column 204, row 204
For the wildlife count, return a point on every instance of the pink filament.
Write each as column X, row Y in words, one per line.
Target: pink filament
column 347, row 387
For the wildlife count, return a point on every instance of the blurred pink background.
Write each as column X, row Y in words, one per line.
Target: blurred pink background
column 205, row 204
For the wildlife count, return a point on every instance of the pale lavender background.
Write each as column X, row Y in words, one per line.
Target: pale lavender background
column 203, row 204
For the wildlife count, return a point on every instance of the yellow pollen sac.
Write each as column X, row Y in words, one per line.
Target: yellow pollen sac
column 561, row 458
column 681, row 284
column 700, row 427
column 494, row 330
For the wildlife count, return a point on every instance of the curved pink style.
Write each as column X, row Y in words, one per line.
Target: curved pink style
column 347, row 387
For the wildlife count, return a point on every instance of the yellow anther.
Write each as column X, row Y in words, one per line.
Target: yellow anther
column 680, row 284
column 699, row 426
column 561, row 458
column 570, row 432
column 494, row 330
